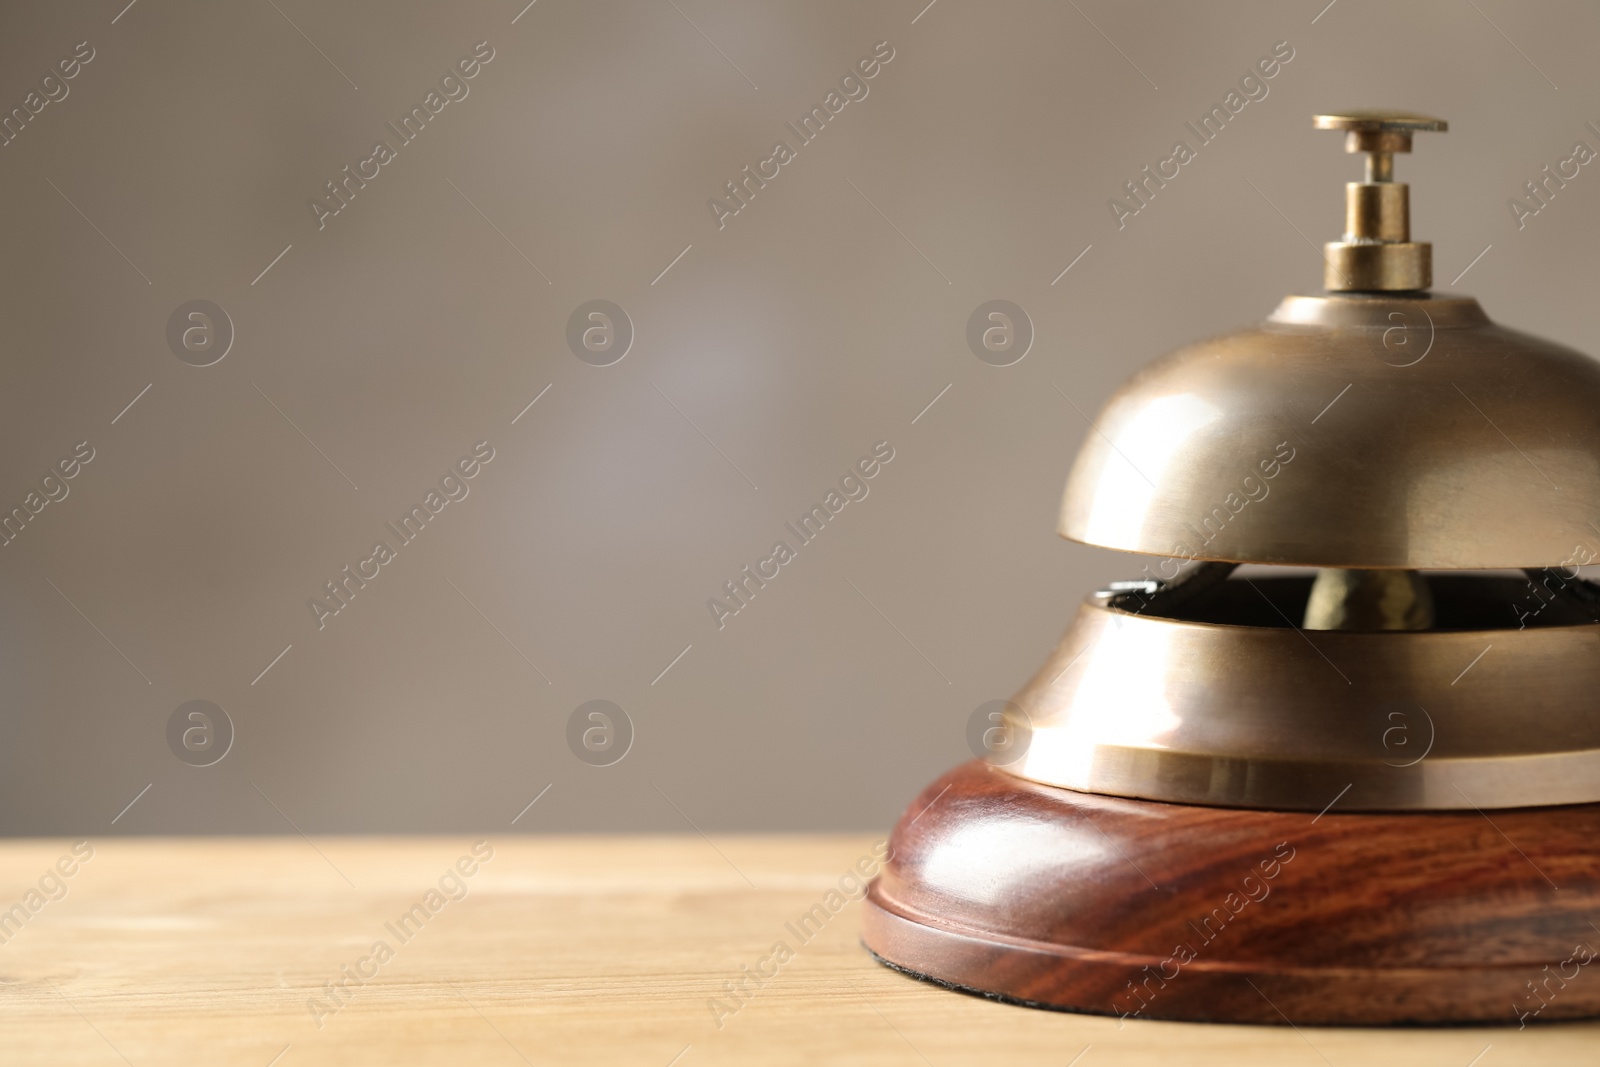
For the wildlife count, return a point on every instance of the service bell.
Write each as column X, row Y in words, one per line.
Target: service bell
column 1365, row 791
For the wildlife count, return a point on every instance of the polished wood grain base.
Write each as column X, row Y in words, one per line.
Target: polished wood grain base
column 1139, row 909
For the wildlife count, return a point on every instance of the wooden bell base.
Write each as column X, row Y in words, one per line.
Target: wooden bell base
column 1087, row 903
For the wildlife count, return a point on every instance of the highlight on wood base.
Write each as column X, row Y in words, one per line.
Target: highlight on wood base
column 1138, row 909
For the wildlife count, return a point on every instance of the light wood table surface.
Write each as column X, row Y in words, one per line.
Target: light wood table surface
column 563, row 950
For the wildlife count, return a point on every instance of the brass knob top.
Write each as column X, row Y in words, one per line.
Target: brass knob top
column 1377, row 253
column 1381, row 133
column 1378, row 120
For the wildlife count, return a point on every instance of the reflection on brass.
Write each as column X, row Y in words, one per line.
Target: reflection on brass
column 1252, row 713
column 1369, row 600
column 1377, row 253
column 1349, row 430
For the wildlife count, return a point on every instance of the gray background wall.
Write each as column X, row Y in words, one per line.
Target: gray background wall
column 767, row 359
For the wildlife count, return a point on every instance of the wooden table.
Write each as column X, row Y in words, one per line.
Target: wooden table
column 561, row 950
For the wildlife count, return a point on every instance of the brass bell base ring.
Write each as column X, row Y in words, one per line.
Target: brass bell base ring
column 1052, row 898
column 1228, row 700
